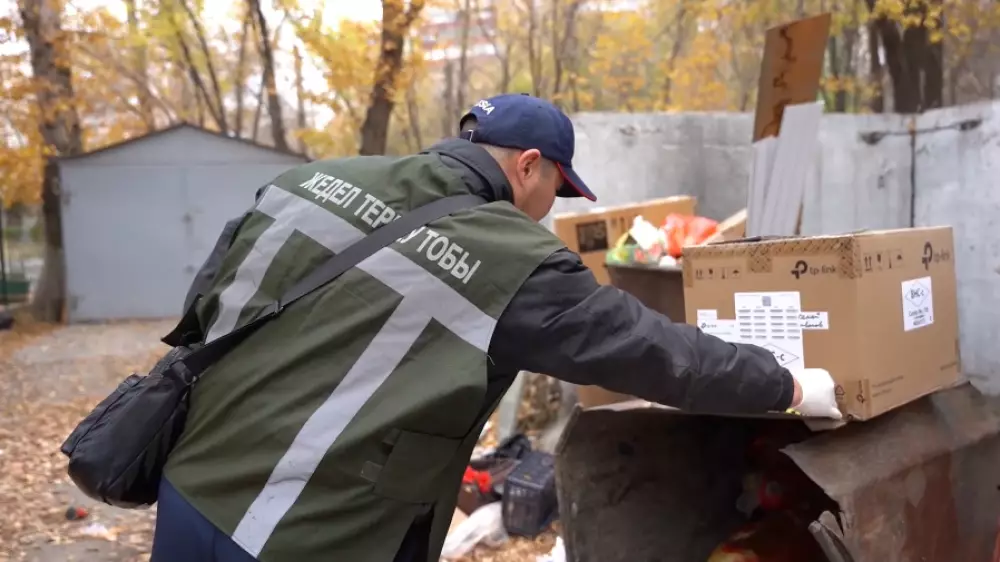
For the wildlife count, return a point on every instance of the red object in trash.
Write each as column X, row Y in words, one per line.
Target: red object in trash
column 780, row 537
column 674, row 231
column 686, row 230
column 770, row 494
column 74, row 513
column 480, row 478
column 699, row 229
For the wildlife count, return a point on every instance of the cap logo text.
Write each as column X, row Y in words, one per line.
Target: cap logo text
column 485, row 106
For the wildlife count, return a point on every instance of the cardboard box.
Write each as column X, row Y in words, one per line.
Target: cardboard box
column 732, row 228
column 591, row 234
column 877, row 309
column 590, row 396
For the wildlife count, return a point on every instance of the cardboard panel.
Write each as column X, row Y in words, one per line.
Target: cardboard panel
column 592, row 234
column 877, row 309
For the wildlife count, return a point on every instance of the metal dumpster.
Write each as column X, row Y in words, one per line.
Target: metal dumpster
column 639, row 482
column 659, row 288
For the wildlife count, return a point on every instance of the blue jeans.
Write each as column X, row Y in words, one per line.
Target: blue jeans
column 184, row 535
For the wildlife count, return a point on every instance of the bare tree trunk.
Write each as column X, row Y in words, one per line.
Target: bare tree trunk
column 556, row 47
column 396, row 22
column 215, row 101
column 463, row 55
column 241, row 75
column 850, row 34
column 564, row 47
column 574, row 89
column 199, row 111
column 506, row 74
column 60, row 129
column 502, row 53
column 933, row 62
column 408, row 138
column 675, row 51
column 915, row 65
column 257, row 112
column 202, row 96
column 450, row 112
column 875, row 71
column 139, row 62
column 534, row 56
column 300, row 98
column 833, row 55
column 413, row 112
column 273, row 100
column 909, row 98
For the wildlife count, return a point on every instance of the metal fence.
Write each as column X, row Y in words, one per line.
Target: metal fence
column 20, row 254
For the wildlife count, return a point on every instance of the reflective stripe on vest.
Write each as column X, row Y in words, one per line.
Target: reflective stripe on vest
column 425, row 298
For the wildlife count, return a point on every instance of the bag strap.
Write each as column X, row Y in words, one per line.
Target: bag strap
column 203, row 357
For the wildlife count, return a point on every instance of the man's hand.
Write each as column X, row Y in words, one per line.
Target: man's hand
column 814, row 394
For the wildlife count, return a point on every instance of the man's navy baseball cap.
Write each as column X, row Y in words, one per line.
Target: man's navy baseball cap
column 525, row 122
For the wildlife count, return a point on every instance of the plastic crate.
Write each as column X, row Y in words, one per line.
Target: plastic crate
column 529, row 495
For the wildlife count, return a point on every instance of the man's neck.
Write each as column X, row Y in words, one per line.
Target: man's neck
column 480, row 170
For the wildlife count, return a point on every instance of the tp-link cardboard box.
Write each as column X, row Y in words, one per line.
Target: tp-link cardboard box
column 877, row 309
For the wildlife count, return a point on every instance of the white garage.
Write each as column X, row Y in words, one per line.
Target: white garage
column 140, row 217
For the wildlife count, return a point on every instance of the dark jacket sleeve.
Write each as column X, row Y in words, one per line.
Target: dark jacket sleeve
column 562, row 323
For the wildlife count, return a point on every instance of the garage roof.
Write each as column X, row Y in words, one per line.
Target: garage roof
column 178, row 126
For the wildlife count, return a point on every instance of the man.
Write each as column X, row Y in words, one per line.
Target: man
column 340, row 430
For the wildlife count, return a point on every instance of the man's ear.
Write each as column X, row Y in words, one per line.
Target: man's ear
column 529, row 162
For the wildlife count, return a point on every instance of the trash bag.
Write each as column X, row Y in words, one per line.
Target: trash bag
column 485, row 525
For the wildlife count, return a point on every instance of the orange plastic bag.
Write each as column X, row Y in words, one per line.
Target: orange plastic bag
column 686, row 230
column 700, row 229
column 674, row 233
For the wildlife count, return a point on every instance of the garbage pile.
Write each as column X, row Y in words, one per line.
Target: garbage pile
column 647, row 244
column 779, row 501
column 508, row 491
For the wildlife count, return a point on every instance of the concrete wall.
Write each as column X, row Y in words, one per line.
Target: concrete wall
column 958, row 183
column 631, row 157
column 870, row 173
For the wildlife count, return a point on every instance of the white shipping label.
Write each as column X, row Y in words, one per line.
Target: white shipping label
column 709, row 323
column 771, row 320
column 722, row 329
column 918, row 303
column 814, row 321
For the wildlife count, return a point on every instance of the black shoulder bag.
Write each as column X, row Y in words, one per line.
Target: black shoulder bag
column 117, row 453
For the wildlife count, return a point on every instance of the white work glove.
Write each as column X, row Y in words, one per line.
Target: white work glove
column 819, row 399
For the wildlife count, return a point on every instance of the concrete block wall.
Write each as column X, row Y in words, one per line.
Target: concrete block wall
column 870, row 173
column 632, row 157
column 958, row 184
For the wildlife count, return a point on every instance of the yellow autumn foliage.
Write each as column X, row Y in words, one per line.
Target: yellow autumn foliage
column 173, row 63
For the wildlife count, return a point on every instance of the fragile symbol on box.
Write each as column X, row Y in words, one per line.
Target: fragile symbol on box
column 918, row 303
column 895, row 258
column 783, row 357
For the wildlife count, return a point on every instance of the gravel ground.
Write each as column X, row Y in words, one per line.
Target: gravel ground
column 49, row 379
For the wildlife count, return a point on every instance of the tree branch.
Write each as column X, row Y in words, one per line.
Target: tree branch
column 220, row 108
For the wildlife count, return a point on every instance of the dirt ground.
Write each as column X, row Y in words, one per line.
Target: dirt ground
column 50, row 377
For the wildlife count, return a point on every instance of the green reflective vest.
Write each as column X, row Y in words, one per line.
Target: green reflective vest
column 330, row 429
